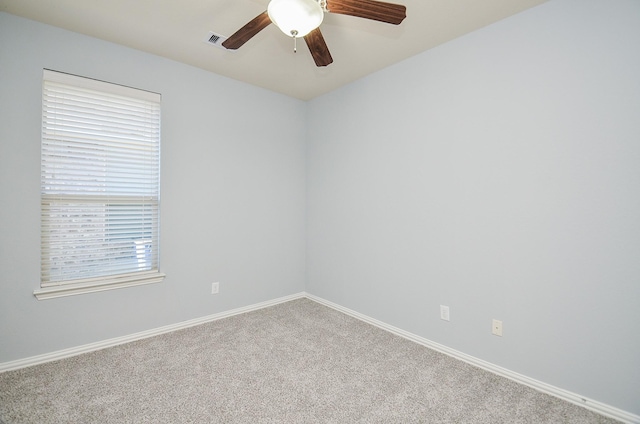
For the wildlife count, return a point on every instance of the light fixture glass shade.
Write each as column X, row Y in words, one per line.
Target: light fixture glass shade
column 295, row 17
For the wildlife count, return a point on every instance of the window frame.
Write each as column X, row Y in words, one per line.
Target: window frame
column 59, row 286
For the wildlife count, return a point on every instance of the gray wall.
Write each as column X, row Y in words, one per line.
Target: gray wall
column 233, row 193
column 498, row 174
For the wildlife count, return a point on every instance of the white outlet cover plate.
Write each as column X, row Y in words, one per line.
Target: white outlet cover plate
column 496, row 327
column 444, row 312
column 215, row 288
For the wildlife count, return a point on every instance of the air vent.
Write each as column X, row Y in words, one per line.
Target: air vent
column 215, row 40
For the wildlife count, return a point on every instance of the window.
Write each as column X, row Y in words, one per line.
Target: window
column 100, row 186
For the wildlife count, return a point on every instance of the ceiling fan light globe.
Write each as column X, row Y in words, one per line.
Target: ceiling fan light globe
column 295, row 17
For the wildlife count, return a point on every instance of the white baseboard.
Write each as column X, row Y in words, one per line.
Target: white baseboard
column 593, row 405
column 599, row 407
column 74, row 351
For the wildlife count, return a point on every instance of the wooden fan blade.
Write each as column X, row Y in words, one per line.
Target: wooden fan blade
column 245, row 33
column 318, row 48
column 369, row 9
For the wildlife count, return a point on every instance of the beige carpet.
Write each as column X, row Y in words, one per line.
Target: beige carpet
column 297, row 362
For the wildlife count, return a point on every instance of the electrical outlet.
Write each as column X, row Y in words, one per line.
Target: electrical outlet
column 496, row 328
column 444, row 312
column 215, row 288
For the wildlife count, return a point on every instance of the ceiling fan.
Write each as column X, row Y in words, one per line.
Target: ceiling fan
column 302, row 19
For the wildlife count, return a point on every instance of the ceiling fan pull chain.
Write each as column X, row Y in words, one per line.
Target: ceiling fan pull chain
column 295, row 40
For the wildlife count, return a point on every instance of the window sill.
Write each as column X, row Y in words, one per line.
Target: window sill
column 52, row 291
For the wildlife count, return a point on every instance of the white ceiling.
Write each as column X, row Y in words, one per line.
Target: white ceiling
column 176, row 29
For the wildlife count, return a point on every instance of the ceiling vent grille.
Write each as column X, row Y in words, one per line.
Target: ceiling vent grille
column 215, row 40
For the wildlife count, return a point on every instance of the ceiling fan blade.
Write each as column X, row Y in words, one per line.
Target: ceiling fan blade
column 318, row 48
column 245, row 33
column 369, row 9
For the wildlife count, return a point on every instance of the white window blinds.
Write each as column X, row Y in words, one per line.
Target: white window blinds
column 100, row 186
